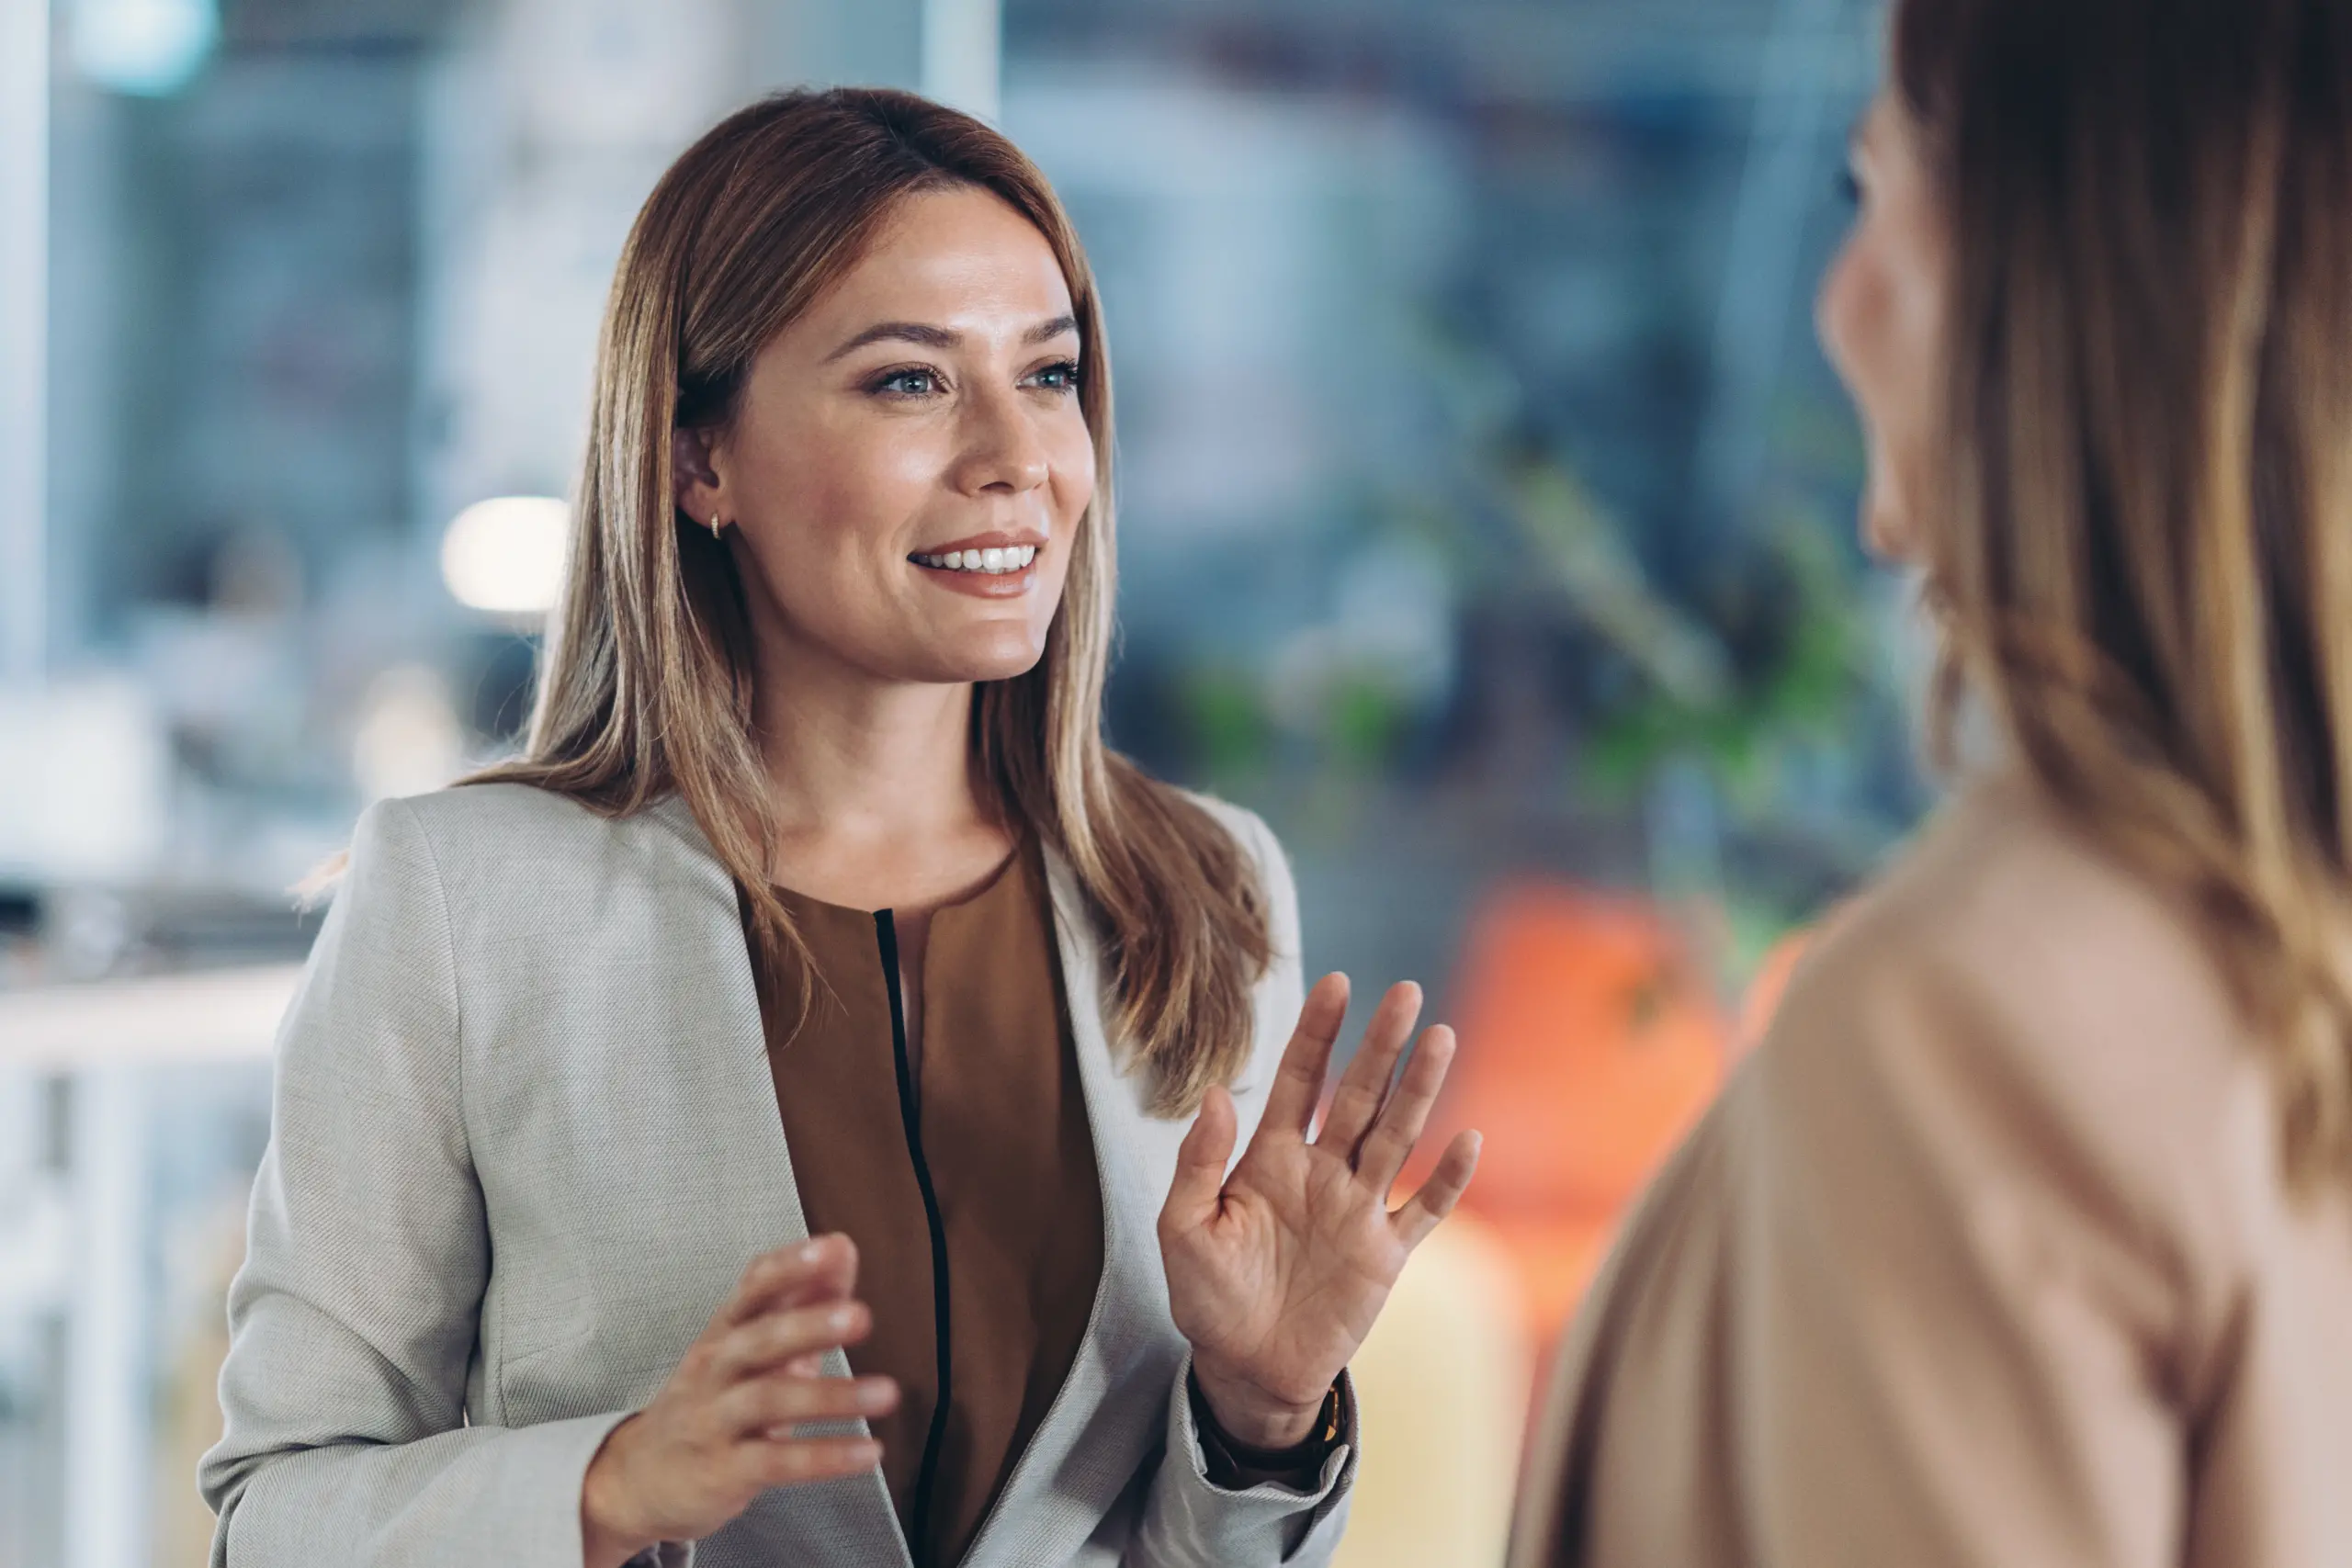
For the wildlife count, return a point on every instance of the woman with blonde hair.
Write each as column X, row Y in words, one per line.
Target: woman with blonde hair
column 817, row 994
column 2025, row 1236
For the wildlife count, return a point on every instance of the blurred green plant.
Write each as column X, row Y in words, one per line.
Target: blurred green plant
column 1366, row 720
column 1226, row 721
column 1803, row 679
column 1767, row 652
column 1772, row 653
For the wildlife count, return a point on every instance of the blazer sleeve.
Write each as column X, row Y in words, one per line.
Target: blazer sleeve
column 1188, row 1520
column 353, row 1320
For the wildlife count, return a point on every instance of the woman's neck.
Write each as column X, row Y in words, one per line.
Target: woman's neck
column 871, row 787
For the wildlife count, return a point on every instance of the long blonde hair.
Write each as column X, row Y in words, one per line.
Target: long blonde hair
column 645, row 689
column 2144, row 557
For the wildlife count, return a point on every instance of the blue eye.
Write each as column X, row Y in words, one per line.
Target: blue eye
column 907, row 383
column 1061, row 378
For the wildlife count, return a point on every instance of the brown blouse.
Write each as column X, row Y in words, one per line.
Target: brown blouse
column 969, row 1183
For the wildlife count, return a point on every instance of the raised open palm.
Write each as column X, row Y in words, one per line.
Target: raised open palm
column 1276, row 1272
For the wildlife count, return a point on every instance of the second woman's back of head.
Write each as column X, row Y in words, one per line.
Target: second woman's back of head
column 2139, row 540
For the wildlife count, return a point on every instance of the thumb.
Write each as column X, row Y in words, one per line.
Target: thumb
column 1200, row 1163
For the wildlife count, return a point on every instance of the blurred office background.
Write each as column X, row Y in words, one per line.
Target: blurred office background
column 1487, row 525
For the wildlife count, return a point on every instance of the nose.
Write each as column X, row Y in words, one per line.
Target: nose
column 1003, row 452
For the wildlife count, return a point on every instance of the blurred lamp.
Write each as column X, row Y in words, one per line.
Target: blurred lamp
column 505, row 554
column 149, row 48
column 409, row 738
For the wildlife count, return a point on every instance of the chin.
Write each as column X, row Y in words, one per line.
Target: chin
column 992, row 658
column 1887, row 531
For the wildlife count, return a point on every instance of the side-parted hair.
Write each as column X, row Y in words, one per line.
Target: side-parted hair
column 2143, row 554
column 645, row 689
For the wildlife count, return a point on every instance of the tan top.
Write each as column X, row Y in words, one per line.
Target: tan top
column 991, row 1167
column 1983, row 1259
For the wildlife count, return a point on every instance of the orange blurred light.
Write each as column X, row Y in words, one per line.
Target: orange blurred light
column 1591, row 1042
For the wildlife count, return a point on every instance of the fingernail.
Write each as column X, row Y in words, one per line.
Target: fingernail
column 810, row 1251
column 839, row 1319
column 875, row 1397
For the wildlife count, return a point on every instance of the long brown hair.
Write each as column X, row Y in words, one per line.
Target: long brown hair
column 2144, row 557
column 645, row 689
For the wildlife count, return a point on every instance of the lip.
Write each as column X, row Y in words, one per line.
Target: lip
column 999, row 540
column 986, row 585
column 983, row 584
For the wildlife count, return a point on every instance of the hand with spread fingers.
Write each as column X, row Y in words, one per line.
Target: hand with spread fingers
column 1276, row 1272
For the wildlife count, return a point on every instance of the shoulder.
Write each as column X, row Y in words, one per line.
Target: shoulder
column 2015, row 1013
column 1267, row 859
column 1246, row 828
column 1280, row 988
column 493, row 818
column 2035, row 944
column 505, row 851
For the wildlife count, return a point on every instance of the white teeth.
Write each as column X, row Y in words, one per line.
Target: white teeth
column 996, row 562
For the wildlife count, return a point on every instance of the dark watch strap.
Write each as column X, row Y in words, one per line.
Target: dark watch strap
column 1235, row 1466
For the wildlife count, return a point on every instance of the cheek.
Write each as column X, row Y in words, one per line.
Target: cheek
column 823, row 514
column 826, row 507
column 1069, row 455
column 1071, row 448
column 1878, row 323
column 834, row 487
column 1853, row 316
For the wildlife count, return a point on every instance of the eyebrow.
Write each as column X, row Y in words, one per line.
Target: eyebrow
column 940, row 337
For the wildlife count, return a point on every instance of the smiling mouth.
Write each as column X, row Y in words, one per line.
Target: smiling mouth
column 1002, row 562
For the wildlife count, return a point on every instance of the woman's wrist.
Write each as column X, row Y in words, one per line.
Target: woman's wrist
column 607, row 1537
column 603, row 1550
column 1255, row 1417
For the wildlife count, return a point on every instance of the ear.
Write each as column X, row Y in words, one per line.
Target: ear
column 694, row 480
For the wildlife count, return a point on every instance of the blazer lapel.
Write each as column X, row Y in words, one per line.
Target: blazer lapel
column 839, row 1521
column 1113, row 1407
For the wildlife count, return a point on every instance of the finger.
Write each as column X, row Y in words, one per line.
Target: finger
column 1428, row 1208
column 1297, row 1087
column 1390, row 1143
column 1201, row 1159
column 1364, row 1089
column 798, row 1461
column 772, row 1406
column 767, row 1343
column 821, row 1269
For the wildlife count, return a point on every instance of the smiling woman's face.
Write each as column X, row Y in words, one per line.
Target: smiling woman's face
column 908, row 462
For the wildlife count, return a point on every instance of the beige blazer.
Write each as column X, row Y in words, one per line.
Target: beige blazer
column 524, row 1139
column 1983, row 1261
